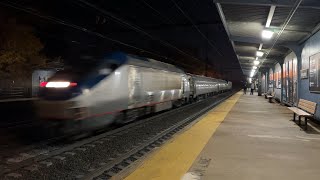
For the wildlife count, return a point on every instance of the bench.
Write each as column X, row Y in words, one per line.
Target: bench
column 305, row 109
column 270, row 97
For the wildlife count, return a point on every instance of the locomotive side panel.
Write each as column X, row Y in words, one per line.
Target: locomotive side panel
column 160, row 86
column 135, row 98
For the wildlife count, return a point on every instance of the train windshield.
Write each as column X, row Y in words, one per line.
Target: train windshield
column 81, row 70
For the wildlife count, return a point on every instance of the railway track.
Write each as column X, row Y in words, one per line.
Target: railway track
column 106, row 154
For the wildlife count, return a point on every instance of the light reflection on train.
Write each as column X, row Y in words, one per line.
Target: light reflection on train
column 118, row 89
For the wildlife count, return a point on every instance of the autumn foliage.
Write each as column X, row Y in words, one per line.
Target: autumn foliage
column 19, row 50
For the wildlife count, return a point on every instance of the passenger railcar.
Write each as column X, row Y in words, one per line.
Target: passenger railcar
column 120, row 88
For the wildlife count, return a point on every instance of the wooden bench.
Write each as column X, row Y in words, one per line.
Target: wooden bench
column 270, row 97
column 305, row 109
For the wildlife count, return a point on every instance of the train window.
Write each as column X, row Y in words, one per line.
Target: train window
column 105, row 71
column 113, row 66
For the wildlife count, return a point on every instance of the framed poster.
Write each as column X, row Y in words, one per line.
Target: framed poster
column 295, row 80
column 279, row 80
column 304, row 74
column 314, row 84
column 284, row 77
column 271, row 80
column 290, row 81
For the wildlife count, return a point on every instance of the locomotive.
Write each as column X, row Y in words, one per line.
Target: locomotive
column 118, row 89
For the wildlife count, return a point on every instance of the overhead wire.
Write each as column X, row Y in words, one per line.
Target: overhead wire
column 155, row 10
column 64, row 39
column 135, row 28
column 62, row 22
column 196, row 27
column 176, row 14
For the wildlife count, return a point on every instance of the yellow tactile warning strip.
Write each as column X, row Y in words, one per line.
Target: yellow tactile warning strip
column 174, row 159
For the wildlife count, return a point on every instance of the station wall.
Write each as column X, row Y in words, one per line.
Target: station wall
column 292, row 87
column 310, row 48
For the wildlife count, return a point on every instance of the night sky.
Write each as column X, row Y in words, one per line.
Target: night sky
column 185, row 33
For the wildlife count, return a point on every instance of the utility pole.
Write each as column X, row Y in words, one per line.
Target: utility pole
column 207, row 58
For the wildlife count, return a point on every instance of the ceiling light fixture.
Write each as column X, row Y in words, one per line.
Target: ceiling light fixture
column 252, row 72
column 256, row 63
column 266, row 34
column 260, row 53
column 254, row 67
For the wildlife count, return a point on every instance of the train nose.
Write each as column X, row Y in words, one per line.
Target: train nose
column 62, row 110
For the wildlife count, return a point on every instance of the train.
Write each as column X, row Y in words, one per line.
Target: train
column 119, row 88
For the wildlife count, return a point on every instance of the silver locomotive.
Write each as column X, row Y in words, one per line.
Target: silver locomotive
column 120, row 88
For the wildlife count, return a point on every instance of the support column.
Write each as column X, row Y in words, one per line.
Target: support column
column 259, row 83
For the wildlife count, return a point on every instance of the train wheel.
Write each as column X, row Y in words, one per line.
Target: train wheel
column 121, row 117
column 127, row 116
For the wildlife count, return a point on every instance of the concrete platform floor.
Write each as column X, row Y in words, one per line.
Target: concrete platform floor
column 255, row 141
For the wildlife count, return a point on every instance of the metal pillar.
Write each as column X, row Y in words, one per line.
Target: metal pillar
column 259, row 83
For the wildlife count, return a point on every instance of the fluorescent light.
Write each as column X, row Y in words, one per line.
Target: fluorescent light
column 256, row 58
column 254, row 67
column 260, row 53
column 256, row 62
column 270, row 15
column 266, row 34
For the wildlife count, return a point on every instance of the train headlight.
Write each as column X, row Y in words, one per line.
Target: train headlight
column 57, row 84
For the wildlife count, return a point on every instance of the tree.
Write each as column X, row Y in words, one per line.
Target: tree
column 19, row 50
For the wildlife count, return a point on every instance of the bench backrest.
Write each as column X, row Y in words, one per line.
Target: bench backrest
column 308, row 106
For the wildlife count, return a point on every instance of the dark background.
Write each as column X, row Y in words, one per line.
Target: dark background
column 186, row 33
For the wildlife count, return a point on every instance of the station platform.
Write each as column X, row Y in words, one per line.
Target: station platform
column 245, row 138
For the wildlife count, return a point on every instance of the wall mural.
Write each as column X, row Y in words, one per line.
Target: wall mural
column 271, row 80
column 295, row 80
column 314, row 84
column 290, row 81
column 284, row 87
column 279, row 80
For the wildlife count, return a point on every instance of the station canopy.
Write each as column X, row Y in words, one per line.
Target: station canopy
column 271, row 27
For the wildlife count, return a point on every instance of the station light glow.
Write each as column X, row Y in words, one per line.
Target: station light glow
column 256, row 63
column 252, row 72
column 260, row 53
column 254, row 67
column 266, row 34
